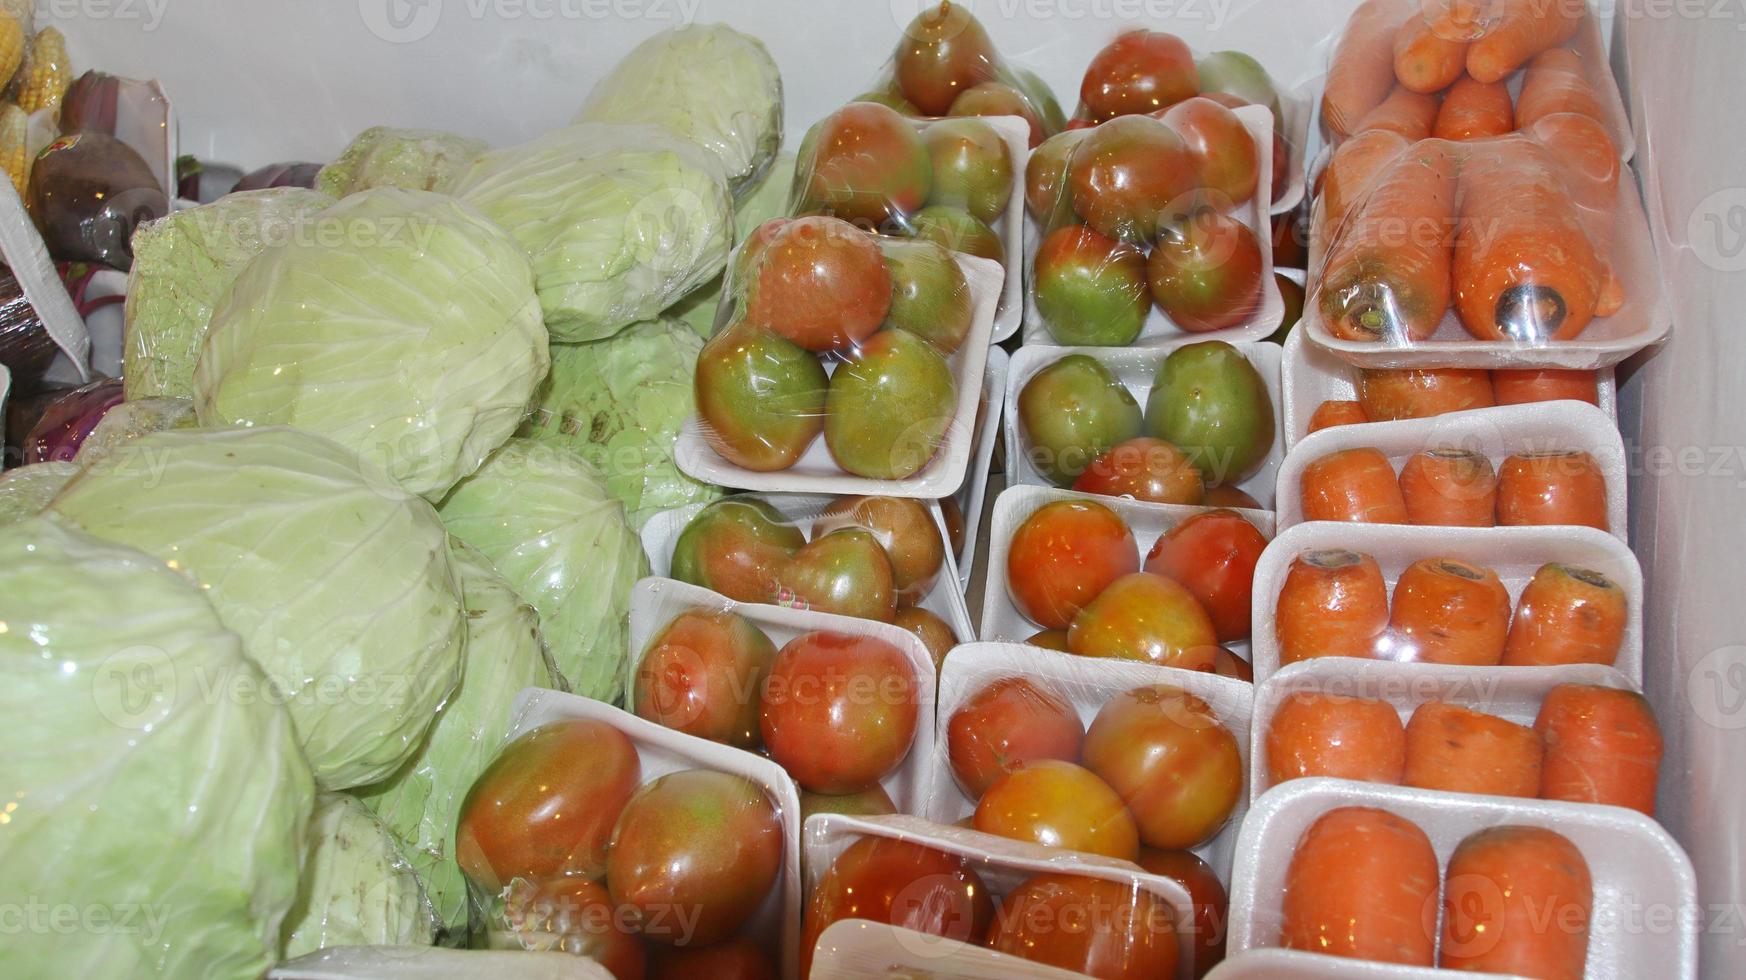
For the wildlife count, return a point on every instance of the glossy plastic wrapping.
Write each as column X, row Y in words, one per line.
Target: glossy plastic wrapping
column 71, row 419
column 26, row 347
column 357, row 889
column 600, row 834
column 1153, row 228
column 26, row 490
column 416, row 159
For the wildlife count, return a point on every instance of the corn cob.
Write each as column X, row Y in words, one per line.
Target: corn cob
column 11, row 47
column 48, row 73
column 14, row 153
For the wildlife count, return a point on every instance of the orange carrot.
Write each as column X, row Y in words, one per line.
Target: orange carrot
column 1522, row 29
column 1518, row 901
column 1389, row 395
column 1426, row 61
column 1555, row 82
column 1406, row 112
column 1332, row 604
column 1567, row 615
column 1332, row 413
column 1348, row 177
column 1362, row 70
column 1355, row 485
column 1318, row 734
column 1527, row 385
column 1552, row 488
column 1602, row 746
column 1449, row 488
column 1525, row 267
column 1448, row 612
column 1462, row 19
column 1460, row 750
column 1474, row 110
column 1589, row 162
column 1362, row 884
column 1387, row 278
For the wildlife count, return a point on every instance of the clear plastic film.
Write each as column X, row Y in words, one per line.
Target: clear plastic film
column 1197, row 423
column 876, row 344
column 357, row 887
column 598, row 834
column 70, row 420
column 416, row 159
column 1154, row 227
column 89, row 192
column 26, row 490
column 130, row 420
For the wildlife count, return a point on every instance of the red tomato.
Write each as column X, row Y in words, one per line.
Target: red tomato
column 1228, row 664
column 1059, row 804
column 943, row 51
column 1213, row 555
column 1220, row 145
column 1144, row 468
column 736, row 959
column 839, row 711
column 1105, row 929
column 821, row 283
column 701, row 676
column 1005, row 726
column 1148, row 618
column 1129, row 175
column 1140, row 71
column 545, row 807
column 1206, row 892
column 900, row 884
column 1177, row 768
column 1063, row 556
column 575, row 916
column 866, row 164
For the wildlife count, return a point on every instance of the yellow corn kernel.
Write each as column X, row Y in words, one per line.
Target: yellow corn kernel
column 15, row 157
column 48, row 73
column 11, row 47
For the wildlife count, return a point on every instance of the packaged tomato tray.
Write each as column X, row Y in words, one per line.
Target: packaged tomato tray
column 599, row 834
column 1189, row 423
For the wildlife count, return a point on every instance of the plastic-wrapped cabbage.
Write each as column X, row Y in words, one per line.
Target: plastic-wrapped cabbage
column 416, row 159
column 337, row 580
column 357, row 887
column 25, row 491
column 404, row 328
column 767, row 199
column 130, row 420
column 421, row 802
column 182, row 264
column 621, row 221
column 146, row 779
column 708, row 83
column 620, row 402
column 543, row 515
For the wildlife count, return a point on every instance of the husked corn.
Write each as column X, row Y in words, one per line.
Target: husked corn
column 11, row 47
column 48, row 73
column 14, row 154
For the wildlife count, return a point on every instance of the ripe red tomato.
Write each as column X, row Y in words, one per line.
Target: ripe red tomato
column 1144, row 468
column 1206, row 272
column 1213, row 555
column 1149, row 618
column 702, row 675
column 839, row 712
column 736, row 959
column 900, row 884
column 575, row 916
column 821, row 283
column 1177, row 768
column 693, row 856
column 1105, row 929
column 1206, row 892
column 545, row 807
column 866, row 164
column 1140, row 71
column 1063, row 556
column 1129, row 176
column 943, row 52
column 1005, row 726
column 1059, row 804
column 1223, row 152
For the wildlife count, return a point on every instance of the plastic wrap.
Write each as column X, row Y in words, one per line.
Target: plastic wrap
column 88, row 193
column 1469, row 469
column 936, row 895
column 877, row 344
column 600, row 834
column 26, row 490
column 1154, row 227
column 1185, row 424
column 620, row 221
column 1633, row 866
column 133, row 111
column 880, row 558
column 698, row 666
column 67, row 423
column 416, row 159
column 116, row 748
column 128, row 421
column 357, row 888
column 337, row 580
column 27, row 348
column 384, row 331
column 1335, row 590
column 971, row 496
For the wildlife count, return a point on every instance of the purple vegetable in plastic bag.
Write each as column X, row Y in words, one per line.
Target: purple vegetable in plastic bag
column 197, row 180
column 280, row 175
column 89, row 106
column 88, row 192
column 26, row 348
column 66, row 423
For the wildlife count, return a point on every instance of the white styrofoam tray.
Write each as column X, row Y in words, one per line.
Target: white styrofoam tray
column 1256, row 213
column 435, row 963
column 1002, row 865
column 1514, row 553
column 1136, row 368
column 860, row 949
column 1640, row 874
column 1087, row 684
column 1001, row 618
column 1310, row 375
column 1495, row 433
column 1293, row 964
column 1511, row 693
column 974, row 492
column 944, row 598
column 656, row 602
column 817, row 472
column 664, row 751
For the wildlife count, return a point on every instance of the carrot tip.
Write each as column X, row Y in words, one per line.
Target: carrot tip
column 1530, row 312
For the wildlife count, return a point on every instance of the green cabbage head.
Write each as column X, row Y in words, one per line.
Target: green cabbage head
column 148, row 794
column 707, row 83
column 403, row 326
column 620, row 402
column 544, row 516
column 25, row 491
column 421, row 802
column 182, row 264
column 357, row 888
column 337, row 580
column 416, row 159
column 621, row 221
